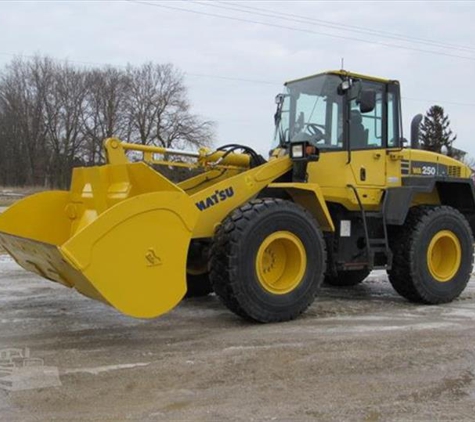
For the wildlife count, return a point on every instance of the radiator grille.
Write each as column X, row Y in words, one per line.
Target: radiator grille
column 454, row 171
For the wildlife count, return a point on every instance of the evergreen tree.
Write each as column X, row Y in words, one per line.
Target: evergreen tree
column 435, row 131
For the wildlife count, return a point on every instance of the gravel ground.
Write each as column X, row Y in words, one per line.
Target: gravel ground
column 359, row 353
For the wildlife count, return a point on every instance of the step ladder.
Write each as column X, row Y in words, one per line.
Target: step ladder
column 377, row 248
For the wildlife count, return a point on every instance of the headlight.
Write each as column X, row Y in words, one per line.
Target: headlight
column 297, row 151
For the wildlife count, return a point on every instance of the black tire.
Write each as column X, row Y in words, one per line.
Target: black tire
column 234, row 251
column 347, row 278
column 410, row 274
column 198, row 285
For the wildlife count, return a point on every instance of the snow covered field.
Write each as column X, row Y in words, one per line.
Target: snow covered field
column 359, row 353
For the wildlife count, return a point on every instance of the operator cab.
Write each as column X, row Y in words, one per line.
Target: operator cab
column 338, row 111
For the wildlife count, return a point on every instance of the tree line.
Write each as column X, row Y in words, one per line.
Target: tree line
column 55, row 115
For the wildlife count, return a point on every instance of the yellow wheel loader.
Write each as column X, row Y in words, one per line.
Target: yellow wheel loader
column 340, row 194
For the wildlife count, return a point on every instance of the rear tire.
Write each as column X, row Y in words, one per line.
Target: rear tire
column 347, row 278
column 268, row 260
column 433, row 255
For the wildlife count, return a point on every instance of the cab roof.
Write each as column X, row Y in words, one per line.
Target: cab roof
column 345, row 73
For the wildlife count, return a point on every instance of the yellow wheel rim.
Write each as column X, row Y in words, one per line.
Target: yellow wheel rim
column 281, row 262
column 444, row 256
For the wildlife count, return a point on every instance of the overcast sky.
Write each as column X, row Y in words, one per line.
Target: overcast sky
column 210, row 49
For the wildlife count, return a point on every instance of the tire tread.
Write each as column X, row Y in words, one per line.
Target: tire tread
column 224, row 260
column 403, row 276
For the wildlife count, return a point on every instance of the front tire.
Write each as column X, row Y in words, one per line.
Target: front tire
column 268, row 260
column 433, row 255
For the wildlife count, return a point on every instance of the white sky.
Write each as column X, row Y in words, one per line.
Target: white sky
column 118, row 32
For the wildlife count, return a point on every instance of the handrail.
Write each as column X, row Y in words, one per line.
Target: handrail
column 116, row 149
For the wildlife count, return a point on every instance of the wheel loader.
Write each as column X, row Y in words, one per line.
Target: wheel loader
column 341, row 193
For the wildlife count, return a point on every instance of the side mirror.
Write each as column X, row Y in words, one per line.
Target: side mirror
column 367, row 100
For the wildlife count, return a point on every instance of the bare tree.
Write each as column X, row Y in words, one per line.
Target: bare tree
column 105, row 115
column 12, row 161
column 64, row 104
column 22, row 90
column 159, row 110
column 55, row 116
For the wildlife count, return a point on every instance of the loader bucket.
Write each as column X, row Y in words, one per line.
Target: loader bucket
column 120, row 235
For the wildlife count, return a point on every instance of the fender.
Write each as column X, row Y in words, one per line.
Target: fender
column 309, row 195
column 458, row 193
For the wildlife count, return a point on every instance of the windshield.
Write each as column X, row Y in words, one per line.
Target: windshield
column 311, row 111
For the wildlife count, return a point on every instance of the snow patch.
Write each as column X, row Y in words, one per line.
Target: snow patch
column 98, row 369
column 6, row 258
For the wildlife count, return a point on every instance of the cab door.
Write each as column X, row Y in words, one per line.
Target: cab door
column 367, row 139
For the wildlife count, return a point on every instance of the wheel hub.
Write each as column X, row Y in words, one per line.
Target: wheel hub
column 444, row 255
column 281, row 262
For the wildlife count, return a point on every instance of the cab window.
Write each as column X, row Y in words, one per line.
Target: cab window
column 312, row 111
column 366, row 129
column 393, row 128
